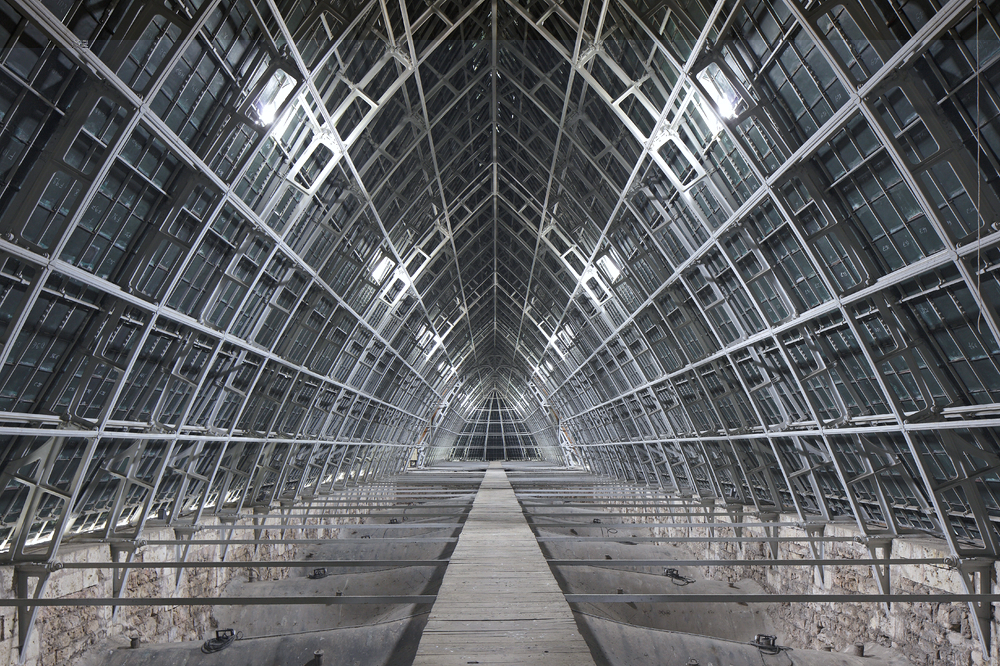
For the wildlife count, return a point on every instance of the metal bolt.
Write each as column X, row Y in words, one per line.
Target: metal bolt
column 318, row 657
column 859, row 649
column 135, row 642
column 692, row 662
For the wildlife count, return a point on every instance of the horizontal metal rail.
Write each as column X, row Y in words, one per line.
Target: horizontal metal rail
column 262, row 564
column 711, row 526
column 741, row 563
column 224, row 601
column 665, row 539
column 301, row 542
column 942, row 598
column 589, row 504
column 556, row 514
column 335, row 526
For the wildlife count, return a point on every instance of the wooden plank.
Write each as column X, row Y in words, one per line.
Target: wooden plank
column 498, row 602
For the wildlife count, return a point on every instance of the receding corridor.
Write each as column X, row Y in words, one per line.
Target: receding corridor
column 499, row 603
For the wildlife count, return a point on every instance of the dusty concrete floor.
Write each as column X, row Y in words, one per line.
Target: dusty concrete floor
column 618, row 634
column 289, row 635
column 635, row 634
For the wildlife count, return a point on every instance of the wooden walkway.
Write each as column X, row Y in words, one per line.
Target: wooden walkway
column 499, row 603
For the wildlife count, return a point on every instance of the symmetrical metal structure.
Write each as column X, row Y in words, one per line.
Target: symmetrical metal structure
column 255, row 250
column 494, row 431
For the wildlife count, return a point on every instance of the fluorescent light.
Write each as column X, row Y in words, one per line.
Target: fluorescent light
column 726, row 109
column 609, row 267
column 276, row 92
column 267, row 113
column 721, row 93
column 382, row 269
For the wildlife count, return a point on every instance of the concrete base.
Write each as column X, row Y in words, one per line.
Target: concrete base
column 388, row 644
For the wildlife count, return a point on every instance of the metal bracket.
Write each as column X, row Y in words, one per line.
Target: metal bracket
column 260, row 512
column 119, row 575
column 735, row 511
column 880, row 548
column 978, row 575
column 817, row 547
column 26, row 615
column 183, row 533
column 709, row 504
column 227, row 519
column 772, row 532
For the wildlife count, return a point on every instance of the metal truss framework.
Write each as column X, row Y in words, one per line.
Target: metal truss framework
column 495, row 431
column 255, row 251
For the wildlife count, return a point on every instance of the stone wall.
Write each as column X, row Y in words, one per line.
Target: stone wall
column 63, row 635
column 926, row 633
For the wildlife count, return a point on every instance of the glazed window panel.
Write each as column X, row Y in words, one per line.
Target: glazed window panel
column 786, row 253
column 157, row 259
column 44, row 345
column 283, row 302
column 233, row 28
column 15, row 278
column 192, row 95
column 960, row 72
column 148, row 53
column 731, row 173
column 885, row 211
column 850, row 44
column 851, row 372
column 145, row 383
column 103, row 124
column 48, row 70
column 24, row 117
column 49, row 218
column 246, row 254
column 263, row 175
column 90, row 375
column 762, row 24
column 132, row 198
column 948, row 316
column 806, row 84
column 196, row 284
column 116, row 215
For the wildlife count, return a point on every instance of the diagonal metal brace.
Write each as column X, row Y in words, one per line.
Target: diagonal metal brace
column 735, row 511
column 771, row 531
column 818, row 547
column 260, row 513
column 978, row 575
column 185, row 534
column 880, row 548
column 122, row 552
column 26, row 615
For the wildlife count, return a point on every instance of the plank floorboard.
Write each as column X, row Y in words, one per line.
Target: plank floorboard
column 498, row 602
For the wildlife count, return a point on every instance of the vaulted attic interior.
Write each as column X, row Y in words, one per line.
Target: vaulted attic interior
column 734, row 253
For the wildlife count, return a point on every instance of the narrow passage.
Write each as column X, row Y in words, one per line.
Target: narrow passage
column 498, row 602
